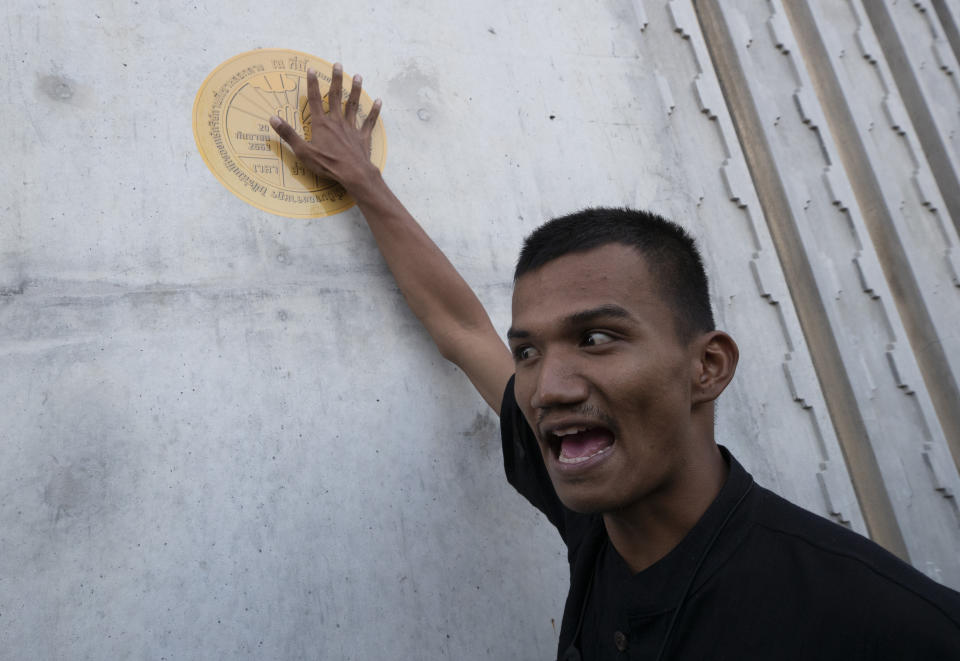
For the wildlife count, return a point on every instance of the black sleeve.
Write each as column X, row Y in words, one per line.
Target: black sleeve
column 523, row 462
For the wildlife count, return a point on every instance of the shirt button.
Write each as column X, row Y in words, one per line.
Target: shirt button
column 620, row 640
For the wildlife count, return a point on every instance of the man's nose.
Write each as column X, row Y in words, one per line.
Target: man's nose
column 558, row 382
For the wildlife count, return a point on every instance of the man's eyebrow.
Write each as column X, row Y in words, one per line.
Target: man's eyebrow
column 579, row 318
column 603, row 311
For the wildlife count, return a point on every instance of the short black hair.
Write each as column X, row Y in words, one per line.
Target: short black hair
column 670, row 253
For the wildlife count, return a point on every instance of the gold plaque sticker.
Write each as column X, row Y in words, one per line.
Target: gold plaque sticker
column 231, row 124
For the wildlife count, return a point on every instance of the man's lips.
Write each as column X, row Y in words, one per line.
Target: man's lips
column 575, row 443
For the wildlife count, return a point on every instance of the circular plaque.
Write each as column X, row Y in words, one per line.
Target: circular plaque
column 231, row 126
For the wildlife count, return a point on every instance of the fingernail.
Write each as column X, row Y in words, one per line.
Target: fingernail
column 337, row 67
column 357, row 79
column 311, row 72
column 274, row 121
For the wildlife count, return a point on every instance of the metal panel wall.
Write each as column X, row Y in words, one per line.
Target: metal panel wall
column 223, row 434
column 858, row 338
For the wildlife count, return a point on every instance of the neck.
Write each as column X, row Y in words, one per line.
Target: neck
column 647, row 531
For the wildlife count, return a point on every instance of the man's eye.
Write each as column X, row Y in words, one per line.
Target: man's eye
column 524, row 353
column 595, row 338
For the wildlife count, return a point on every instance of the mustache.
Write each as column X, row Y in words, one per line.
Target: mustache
column 585, row 410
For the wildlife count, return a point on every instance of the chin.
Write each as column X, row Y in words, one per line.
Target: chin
column 583, row 503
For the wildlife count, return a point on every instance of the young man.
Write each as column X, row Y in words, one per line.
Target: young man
column 606, row 408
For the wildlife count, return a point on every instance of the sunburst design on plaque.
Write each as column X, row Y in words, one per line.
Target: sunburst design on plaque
column 231, row 126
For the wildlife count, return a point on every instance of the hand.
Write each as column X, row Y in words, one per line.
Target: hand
column 338, row 149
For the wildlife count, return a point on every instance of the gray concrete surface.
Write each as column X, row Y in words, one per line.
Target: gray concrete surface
column 224, row 436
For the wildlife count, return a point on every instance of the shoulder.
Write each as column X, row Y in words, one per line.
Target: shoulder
column 849, row 569
column 798, row 586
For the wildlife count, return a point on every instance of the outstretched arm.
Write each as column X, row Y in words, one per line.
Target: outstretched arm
column 436, row 293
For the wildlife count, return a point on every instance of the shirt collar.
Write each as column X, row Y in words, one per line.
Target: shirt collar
column 659, row 587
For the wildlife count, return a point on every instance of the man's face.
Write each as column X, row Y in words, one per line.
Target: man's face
column 603, row 379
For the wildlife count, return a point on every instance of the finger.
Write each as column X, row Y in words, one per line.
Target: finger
column 313, row 94
column 353, row 102
column 335, row 94
column 289, row 135
column 371, row 119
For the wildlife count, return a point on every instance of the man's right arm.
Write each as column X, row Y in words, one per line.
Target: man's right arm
column 435, row 292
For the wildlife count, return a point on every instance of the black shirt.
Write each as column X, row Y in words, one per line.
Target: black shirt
column 756, row 578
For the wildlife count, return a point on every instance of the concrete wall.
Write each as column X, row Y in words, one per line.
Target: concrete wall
column 224, row 436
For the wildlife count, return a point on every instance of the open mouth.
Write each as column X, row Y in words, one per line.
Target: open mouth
column 575, row 445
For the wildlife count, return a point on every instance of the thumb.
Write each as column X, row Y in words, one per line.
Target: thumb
column 289, row 135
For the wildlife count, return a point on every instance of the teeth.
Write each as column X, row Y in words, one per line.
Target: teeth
column 569, row 430
column 576, row 460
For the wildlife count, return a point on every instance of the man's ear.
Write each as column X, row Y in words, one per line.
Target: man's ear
column 717, row 356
